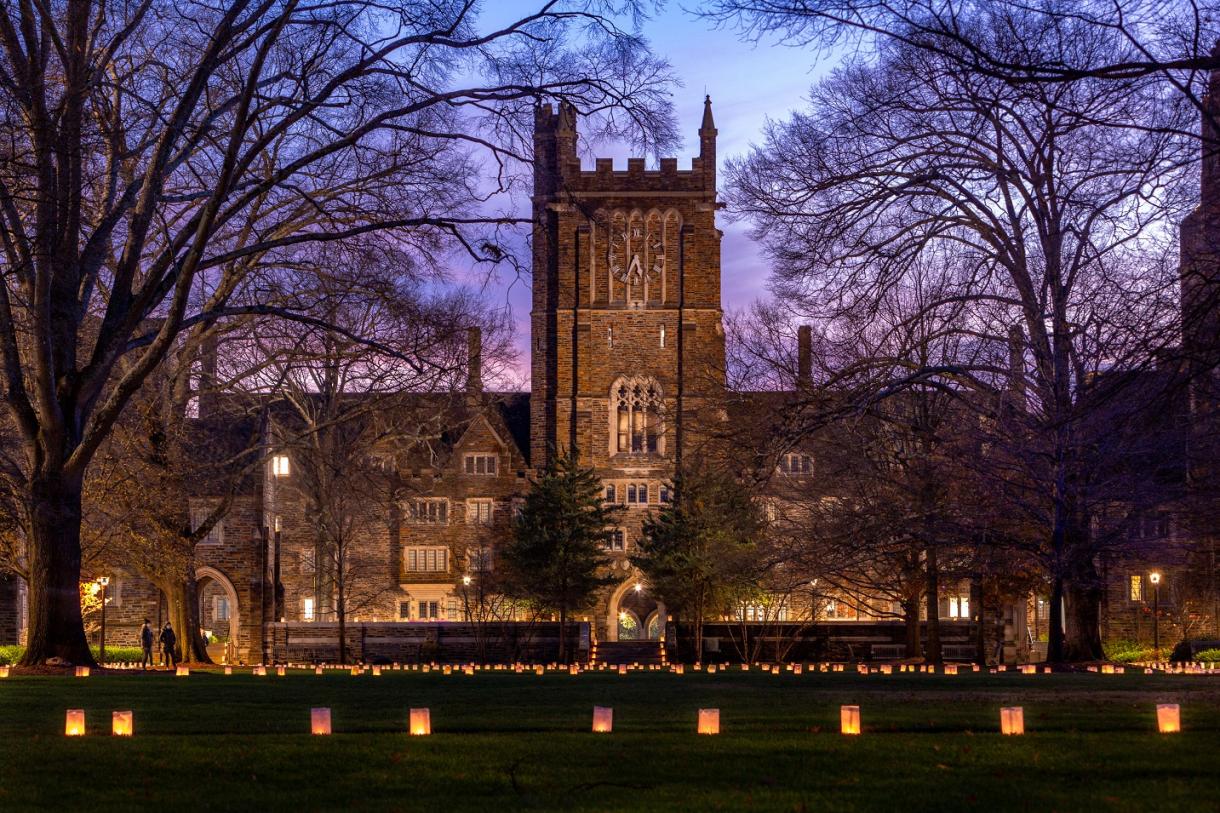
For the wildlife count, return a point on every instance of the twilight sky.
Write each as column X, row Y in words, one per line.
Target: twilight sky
column 748, row 84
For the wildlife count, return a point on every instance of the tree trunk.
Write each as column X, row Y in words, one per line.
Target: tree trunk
column 1055, row 643
column 563, row 634
column 341, row 615
column 1083, row 639
column 933, row 590
column 910, row 614
column 56, row 629
column 979, row 612
column 698, row 625
column 183, row 598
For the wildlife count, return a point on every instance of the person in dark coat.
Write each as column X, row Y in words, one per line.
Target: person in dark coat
column 168, row 641
column 146, row 643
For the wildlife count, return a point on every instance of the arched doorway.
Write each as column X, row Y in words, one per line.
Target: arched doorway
column 218, row 612
column 634, row 613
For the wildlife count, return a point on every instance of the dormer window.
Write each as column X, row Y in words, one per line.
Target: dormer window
column 280, row 467
column 481, row 464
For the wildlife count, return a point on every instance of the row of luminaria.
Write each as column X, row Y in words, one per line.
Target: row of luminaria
column 1012, row 721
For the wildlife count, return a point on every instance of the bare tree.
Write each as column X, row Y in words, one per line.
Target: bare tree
column 1051, row 199
column 152, row 149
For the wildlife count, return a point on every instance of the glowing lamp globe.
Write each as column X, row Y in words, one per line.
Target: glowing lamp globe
column 1012, row 720
column 421, row 722
column 74, row 723
column 1168, row 718
column 709, row 721
column 849, row 719
column 603, row 720
column 319, row 721
column 121, row 724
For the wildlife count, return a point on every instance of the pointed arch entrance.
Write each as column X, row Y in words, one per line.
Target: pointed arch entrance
column 203, row 575
column 634, row 613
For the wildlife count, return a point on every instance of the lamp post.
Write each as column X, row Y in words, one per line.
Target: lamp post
column 466, row 580
column 104, row 581
column 1155, row 578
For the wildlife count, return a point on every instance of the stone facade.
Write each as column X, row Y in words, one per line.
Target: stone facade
column 627, row 364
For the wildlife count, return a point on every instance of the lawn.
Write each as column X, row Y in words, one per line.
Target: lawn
column 503, row 741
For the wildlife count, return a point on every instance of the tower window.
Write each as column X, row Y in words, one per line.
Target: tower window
column 610, row 336
column 662, row 337
column 637, row 416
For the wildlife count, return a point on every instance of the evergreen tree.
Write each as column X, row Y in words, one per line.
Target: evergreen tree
column 699, row 552
column 555, row 557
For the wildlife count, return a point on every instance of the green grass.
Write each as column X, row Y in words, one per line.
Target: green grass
column 521, row 742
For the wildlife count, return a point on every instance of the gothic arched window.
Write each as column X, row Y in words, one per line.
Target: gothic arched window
column 636, row 415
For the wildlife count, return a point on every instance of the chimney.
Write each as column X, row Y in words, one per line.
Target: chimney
column 1016, row 361
column 474, row 361
column 206, row 391
column 804, row 357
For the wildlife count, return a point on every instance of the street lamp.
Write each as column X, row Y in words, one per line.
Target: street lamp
column 1154, row 578
column 104, row 581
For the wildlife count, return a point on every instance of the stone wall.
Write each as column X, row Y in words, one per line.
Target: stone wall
column 427, row 643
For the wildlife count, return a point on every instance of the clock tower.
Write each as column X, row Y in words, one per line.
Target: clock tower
column 627, row 340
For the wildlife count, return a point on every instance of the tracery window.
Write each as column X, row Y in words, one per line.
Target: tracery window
column 636, row 413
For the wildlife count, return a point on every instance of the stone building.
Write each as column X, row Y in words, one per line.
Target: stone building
column 627, row 368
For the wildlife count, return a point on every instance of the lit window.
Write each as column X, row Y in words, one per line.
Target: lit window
column 618, row 540
column 478, row 512
column 280, row 466
column 307, row 609
column 432, row 559
column 636, row 415
column 662, row 337
column 481, row 464
column 1135, row 589
column 959, row 607
column 430, row 512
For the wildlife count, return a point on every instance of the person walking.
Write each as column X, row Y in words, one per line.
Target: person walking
column 146, row 643
column 168, row 640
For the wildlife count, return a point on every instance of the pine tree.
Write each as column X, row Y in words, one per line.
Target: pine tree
column 555, row 558
column 698, row 552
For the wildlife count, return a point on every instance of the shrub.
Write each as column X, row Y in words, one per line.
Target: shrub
column 9, row 655
column 1210, row 655
column 1129, row 651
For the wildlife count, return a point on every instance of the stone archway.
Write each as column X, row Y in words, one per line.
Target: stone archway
column 204, row 574
column 637, row 605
